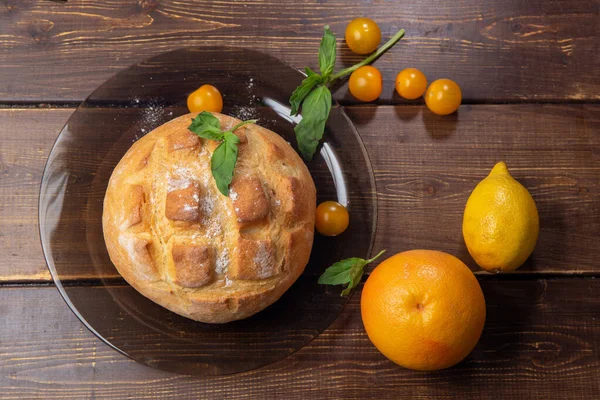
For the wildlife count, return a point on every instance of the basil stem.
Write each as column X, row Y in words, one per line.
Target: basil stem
column 371, row 58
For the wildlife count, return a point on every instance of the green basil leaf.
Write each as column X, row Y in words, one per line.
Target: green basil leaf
column 210, row 134
column 310, row 72
column 315, row 111
column 223, row 161
column 302, row 91
column 353, row 283
column 339, row 272
column 207, row 126
column 327, row 53
column 356, row 273
column 348, row 271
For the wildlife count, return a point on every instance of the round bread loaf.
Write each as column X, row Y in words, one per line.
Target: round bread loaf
column 180, row 242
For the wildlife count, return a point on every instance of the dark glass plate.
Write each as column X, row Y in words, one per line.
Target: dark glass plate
column 123, row 109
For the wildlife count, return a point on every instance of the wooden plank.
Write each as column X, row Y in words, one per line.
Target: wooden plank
column 425, row 168
column 541, row 339
column 500, row 50
column 26, row 137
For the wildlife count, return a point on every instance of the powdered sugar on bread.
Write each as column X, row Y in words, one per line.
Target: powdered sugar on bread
column 184, row 245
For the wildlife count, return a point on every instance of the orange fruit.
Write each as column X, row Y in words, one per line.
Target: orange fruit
column 423, row 309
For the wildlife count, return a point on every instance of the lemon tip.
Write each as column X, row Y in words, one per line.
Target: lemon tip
column 500, row 168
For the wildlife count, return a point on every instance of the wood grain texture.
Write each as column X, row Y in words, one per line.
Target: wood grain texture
column 541, row 340
column 425, row 169
column 542, row 336
column 500, row 50
column 26, row 137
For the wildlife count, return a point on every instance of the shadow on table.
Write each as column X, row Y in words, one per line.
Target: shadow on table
column 440, row 127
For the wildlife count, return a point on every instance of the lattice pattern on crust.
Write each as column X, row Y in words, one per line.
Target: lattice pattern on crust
column 182, row 231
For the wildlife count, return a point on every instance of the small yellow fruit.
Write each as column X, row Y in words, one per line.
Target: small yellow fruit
column 500, row 223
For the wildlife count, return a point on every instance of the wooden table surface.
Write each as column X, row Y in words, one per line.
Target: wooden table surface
column 531, row 84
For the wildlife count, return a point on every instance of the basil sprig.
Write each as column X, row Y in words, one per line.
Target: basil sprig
column 309, row 131
column 348, row 271
column 224, row 158
column 314, row 97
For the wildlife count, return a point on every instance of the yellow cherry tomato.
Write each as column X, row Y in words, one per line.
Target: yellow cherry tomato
column 365, row 83
column 206, row 98
column 332, row 218
column 443, row 97
column 363, row 35
column 411, row 83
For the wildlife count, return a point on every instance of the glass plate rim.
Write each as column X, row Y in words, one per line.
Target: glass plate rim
column 48, row 253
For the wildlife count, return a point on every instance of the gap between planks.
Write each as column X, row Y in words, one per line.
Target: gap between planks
column 118, row 281
column 41, row 104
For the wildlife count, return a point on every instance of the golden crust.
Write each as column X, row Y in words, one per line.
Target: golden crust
column 177, row 240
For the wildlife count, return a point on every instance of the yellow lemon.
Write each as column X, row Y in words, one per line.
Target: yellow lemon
column 501, row 222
